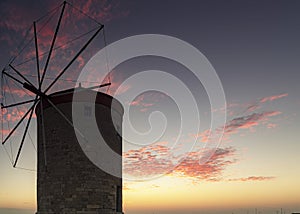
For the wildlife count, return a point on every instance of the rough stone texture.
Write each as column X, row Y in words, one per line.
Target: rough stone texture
column 69, row 182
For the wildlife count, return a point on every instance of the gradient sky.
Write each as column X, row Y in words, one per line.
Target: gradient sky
column 254, row 47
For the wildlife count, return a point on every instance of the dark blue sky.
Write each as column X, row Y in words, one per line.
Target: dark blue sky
column 250, row 43
column 253, row 45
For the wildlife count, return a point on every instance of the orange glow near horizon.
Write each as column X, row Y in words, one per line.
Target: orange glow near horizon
column 171, row 192
column 177, row 193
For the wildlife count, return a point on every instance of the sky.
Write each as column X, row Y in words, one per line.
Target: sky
column 254, row 48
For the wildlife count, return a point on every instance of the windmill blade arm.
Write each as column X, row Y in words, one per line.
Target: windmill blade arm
column 18, row 124
column 36, row 53
column 98, row 86
column 83, row 89
column 12, row 77
column 23, row 138
column 19, row 73
column 25, row 85
column 52, row 44
column 93, row 87
column 74, row 58
column 32, row 89
column 16, row 104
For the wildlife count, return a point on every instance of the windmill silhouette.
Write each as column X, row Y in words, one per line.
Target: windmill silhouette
column 39, row 88
column 41, row 96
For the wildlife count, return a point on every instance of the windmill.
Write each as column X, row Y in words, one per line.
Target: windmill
column 52, row 49
column 12, row 75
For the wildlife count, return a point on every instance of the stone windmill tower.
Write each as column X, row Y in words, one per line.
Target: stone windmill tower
column 67, row 180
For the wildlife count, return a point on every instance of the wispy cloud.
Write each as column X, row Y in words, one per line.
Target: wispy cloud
column 234, row 109
column 155, row 159
column 140, row 101
column 248, row 121
column 274, row 97
column 247, row 116
column 253, row 178
column 158, row 159
column 147, row 100
column 237, row 124
column 212, row 170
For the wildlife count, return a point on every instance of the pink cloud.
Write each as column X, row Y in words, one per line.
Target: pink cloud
column 141, row 101
column 14, row 114
column 20, row 93
column 271, row 125
column 236, row 108
column 204, row 136
column 147, row 100
column 253, row 107
column 157, row 159
column 271, row 98
column 212, row 170
column 150, row 160
column 248, row 121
